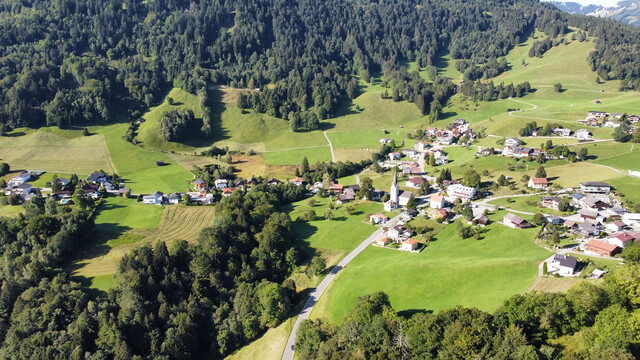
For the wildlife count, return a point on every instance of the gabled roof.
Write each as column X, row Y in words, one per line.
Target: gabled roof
column 566, row 261
column 410, row 242
column 595, row 183
column 597, row 244
column 623, row 237
column 96, row 176
column 539, row 181
column 515, row 218
column 200, row 181
column 437, row 198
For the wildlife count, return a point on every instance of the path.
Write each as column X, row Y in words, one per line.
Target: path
column 333, row 156
column 317, row 292
column 297, row 148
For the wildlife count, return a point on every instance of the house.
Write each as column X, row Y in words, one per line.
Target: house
column 583, row 134
column 442, row 160
column 512, row 142
column 439, row 214
column 19, row 179
column 396, row 232
column 611, row 124
column 97, row 177
column 617, row 115
column 394, row 156
column 226, row 192
column 593, row 122
column 173, row 198
column 385, row 141
column 551, row 202
column 597, row 114
column 597, row 274
column 554, row 220
column 538, row 183
column 383, row 242
column 481, row 220
column 461, row 191
column 563, row 265
column 633, row 118
column 404, row 198
column 620, row 239
column 562, row 132
column 61, row 181
column 436, row 201
column 415, row 182
column 297, row 181
column 576, row 198
column 601, row 248
column 92, row 190
column 347, row 196
column 409, row 245
column 593, row 202
column 273, row 182
column 524, row 152
column 588, row 214
column 410, row 153
column 407, row 170
column 154, row 199
column 515, row 221
column 378, row 219
column 252, row 181
column 445, row 138
column 511, row 150
column 595, row 187
column 219, row 184
column 124, row 192
column 420, row 145
column 390, row 205
column 376, row 195
column 631, row 219
column 23, row 188
column 587, row 228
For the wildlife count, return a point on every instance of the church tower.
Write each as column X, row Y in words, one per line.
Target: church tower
column 395, row 191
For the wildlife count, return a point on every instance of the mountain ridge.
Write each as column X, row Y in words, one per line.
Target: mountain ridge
column 625, row 11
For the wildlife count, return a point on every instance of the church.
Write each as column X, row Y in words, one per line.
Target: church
column 397, row 197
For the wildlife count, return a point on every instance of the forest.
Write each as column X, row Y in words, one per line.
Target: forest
column 72, row 62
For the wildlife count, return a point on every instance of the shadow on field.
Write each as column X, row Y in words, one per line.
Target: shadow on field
column 410, row 312
column 304, row 230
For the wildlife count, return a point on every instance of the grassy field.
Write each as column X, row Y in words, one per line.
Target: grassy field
column 450, row 271
column 55, row 150
column 521, row 204
column 269, row 347
column 11, row 210
column 45, row 179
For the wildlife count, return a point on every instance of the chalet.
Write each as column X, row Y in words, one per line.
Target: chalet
column 583, row 134
column 588, row 228
column 390, row 205
column 124, row 192
column 595, row 187
column 173, row 198
column 551, row 202
column 396, row 232
column 588, row 214
column 436, row 201
column 445, row 138
column 439, row 214
column 601, row 248
column 296, row 181
column 241, row 184
column 571, row 225
column 409, row 245
column 597, row 114
column 346, row 197
column 619, row 239
column 461, row 192
column 92, row 190
column 154, row 199
column 611, row 124
column 355, row 188
column 421, row 146
column 512, row 142
column 481, row 220
column 252, row 181
column 562, row 132
column 385, row 141
column 226, row 192
column 407, row 170
column 554, row 220
column 378, row 219
column 410, row 153
column 383, row 242
column 563, row 265
column 524, row 152
column 615, row 226
column 409, row 214
column 219, row 184
column 404, row 198
column 336, row 187
column 633, row 118
column 415, row 182
column 97, row 177
column 593, row 122
column 592, row 202
column 19, row 179
column 273, row 182
column 394, row 156
column 510, row 150
column 538, row 183
column 61, row 181
column 631, row 219
column 515, row 221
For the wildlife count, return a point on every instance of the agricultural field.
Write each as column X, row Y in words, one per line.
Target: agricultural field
column 11, row 210
column 450, row 271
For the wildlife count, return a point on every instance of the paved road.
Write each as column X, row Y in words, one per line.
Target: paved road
column 333, row 156
column 317, row 292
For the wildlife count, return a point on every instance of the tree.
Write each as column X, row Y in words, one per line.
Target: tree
column 471, row 178
column 425, row 188
column 366, row 188
column 544, row 268
column 411, row 204
column 305, row 165
column 557, row 87
column 541, row 172
column 377, row 168
column 85, row 132
column 583, row 153
column 621, row 133
column 186, row 199
column 432, row 159
column 4, row 169
column 326, row 181
column 328, row 215
column 502, row 180
column 311, row 202
column 317, row 266
column 525, row 178
column 467, row 212
column 169, row 100
column 631, row 252
column 564, row 205
column 350, row 209
column 538, row 219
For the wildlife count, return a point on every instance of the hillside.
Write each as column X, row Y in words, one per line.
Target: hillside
column 624, row 11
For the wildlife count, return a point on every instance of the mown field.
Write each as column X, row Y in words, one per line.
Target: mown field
column 450, row 271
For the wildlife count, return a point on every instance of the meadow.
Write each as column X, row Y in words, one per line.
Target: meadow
column 522, row 204
column 450, row 271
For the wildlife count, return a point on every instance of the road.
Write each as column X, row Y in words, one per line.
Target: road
column 317, row 292
column 333, row 156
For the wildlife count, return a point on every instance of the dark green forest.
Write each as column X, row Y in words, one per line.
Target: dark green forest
column 69, row 62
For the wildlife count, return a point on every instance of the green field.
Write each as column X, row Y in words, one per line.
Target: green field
column 450, row 271
column 268, row 347
column 520, row 203
column 11, row 210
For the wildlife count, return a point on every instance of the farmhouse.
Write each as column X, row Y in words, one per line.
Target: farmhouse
column 620, row 239
column 296, row 181
column 515, row 221
column 588, row 214
column 562, row 132
column 481, row 220
column 563, row 265
column 512, row 142
column 551, row 202
column 436, row 201
column 409, row 245
column 587, row 228
column 124, row 192
column 173, row 198
column 595, row 187
column 462, row 192
column 593, row 202
column 408, row 170
column 273, row 182
column 19, row 179
column 583, row 134
column 154, row 199
column 538, row 183
column 420, row 145
column 601, row 248
column 415, row 182
column 597, row 114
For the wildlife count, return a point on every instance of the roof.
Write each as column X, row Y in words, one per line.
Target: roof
column 24, row 186
column 437, row 198
column 174, row 196
column 384, row 240
column 595, row 183
column 96, row 176
column 623, row 237
column 597, row 244
column 406, row 194
column 515, row 218
column 274, row 180
column 566, row 260
column 539, row 181
column 410, row 242
column 296, row 179
column 417, row 180
column 552, row 198
column 200, row 181
column 618, row 223
column 577, row 196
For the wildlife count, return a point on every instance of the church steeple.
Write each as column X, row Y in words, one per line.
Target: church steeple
column 394, row 191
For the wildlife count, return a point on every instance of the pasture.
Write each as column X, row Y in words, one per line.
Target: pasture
column 450, row 271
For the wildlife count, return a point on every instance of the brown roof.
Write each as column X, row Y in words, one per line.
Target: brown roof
column 515, row 218
column 599, row 245
column 540, row 181
column 410, row 242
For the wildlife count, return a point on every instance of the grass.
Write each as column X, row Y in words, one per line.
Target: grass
column 552, row 284
column 521, row 204
column 45, row 179
column 103, row 282
column 11, row 210
column 294, row 157
column 450, row 271
column 268, row 347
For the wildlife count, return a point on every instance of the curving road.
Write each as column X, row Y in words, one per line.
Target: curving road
column 333, row 156
column 317, row 292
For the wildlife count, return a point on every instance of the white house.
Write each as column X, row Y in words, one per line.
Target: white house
column 461, row 191
column 378, row 219
column 563, row 265
column 221, row 183
column 174, row 198
column 409, row 245
column 615, row 226
column 415, row 182
column 597, row 114
column 631, row 219
column 19, row 179
column 611, row 124
column 394, row 156
column 595, row 187
column 420, row 145
column 515, row 221
column 583, row 134
column 538, row 183
column 620, row 239
column 442, row 160
column 512, row 142
column 403, row 199
column 562, row 132
column 390, row 205
column 436, row 201
column 153, row 199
